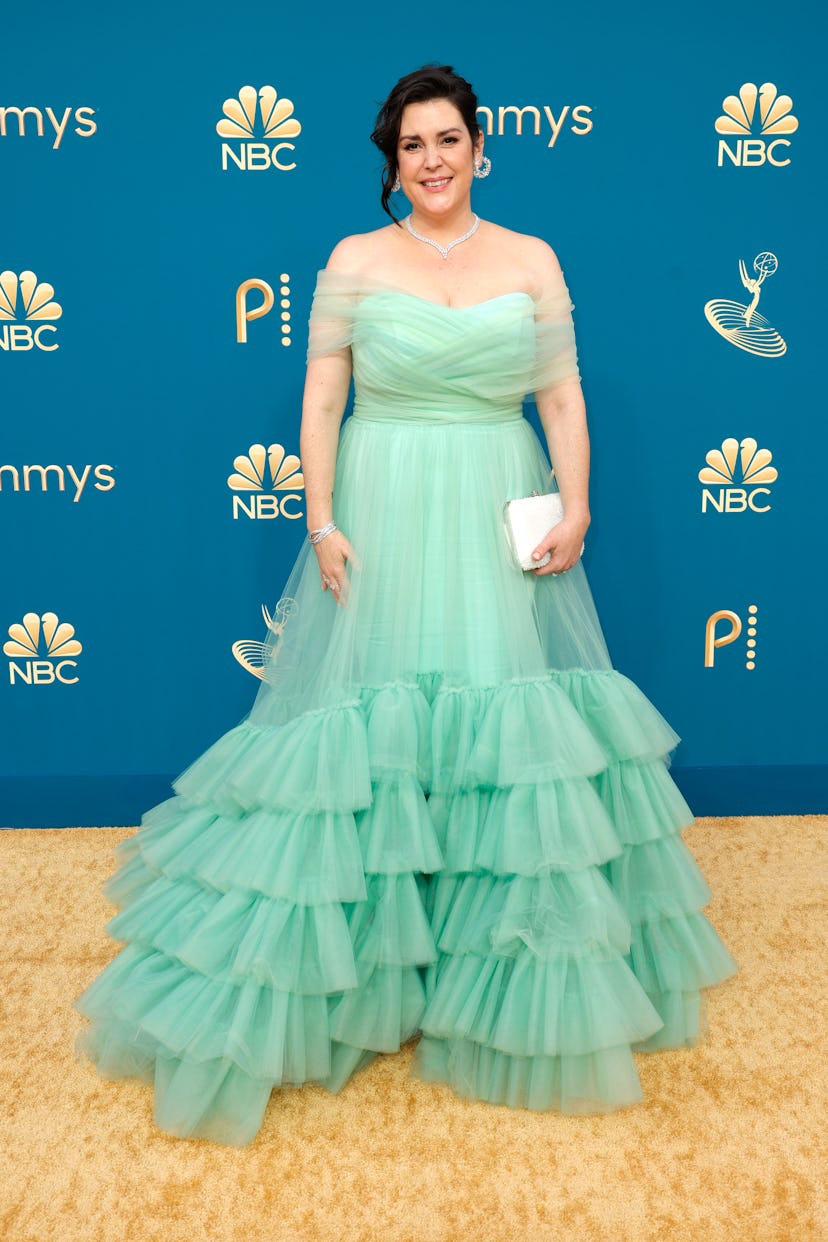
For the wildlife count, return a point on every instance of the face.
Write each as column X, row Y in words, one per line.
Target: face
column 435, row 156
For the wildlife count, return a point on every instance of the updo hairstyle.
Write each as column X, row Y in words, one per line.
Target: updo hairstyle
column 430, row 82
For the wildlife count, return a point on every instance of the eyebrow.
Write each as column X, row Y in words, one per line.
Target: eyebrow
column 455, row 129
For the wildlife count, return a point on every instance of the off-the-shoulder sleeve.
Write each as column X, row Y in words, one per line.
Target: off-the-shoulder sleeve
column 331, row 324
column 556, row 356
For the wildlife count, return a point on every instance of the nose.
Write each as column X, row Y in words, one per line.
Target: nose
column 433, row 157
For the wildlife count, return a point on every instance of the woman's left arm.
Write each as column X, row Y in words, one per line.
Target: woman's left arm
column 561, row 408
column 562, row 413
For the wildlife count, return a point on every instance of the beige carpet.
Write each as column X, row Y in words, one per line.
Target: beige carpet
column 728, row 1145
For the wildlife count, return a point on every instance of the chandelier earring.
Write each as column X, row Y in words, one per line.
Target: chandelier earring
column 397, row 185
column 483, row 167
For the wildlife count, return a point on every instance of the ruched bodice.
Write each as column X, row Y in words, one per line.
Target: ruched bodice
column 416, row 360
column 478, row 359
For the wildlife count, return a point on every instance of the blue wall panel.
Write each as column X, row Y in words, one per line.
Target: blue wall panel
column 146, row 238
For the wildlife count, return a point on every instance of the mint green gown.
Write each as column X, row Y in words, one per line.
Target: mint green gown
column 445, row 814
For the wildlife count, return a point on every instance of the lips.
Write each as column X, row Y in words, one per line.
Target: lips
column 435, row 183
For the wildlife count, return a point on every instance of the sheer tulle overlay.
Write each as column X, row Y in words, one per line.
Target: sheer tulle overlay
column 446, row 812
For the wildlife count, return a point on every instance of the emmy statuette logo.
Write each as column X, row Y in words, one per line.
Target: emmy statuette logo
column 27, row 313
column 23, row 122
column 737, row 475
column 258, row 115
column 40, row 651
column 715, row 636
column 740, row 323
column 511, row 119
column 246, row 314
column 753, row 132
column 259, row 658
column 260, row 472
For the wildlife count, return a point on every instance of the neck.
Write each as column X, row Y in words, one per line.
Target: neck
column 443, row 227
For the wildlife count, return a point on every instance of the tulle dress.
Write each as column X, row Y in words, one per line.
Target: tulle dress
column 445, row 814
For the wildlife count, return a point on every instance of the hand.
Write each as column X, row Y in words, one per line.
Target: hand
column 564, row 542
column 332, row 552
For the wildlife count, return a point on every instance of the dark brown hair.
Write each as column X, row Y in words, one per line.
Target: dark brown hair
column 430, row 82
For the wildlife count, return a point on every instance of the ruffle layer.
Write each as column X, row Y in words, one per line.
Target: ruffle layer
column 520, row 732
column 279, row 927
column 531, row 1006
column 618, row 713
column 593, row 1082
column 552, row 900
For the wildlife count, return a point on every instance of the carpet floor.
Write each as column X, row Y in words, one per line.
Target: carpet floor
column 728, row 1145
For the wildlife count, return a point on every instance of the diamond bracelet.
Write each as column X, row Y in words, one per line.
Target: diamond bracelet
column 316, row 535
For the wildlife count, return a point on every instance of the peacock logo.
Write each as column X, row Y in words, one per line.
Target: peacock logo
column 262, row 471
column 27, row 313
column 737, row 475
column 754, row 122
column 45, row 646
column 259, row 658
column 261, row 124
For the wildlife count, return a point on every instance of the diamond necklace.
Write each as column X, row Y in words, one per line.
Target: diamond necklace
column 444, row 250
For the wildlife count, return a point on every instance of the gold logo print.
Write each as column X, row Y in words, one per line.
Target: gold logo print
column 721, row 471
column 23, row 301
column 35, row 299
column 774, row 116
column 714, row 640
column 756, row 134
column 250, row 470
column 46, row 646
column 537, row 119
column 261, row 111
column 261, row 470
column 259, row 658
column 741, row 323
column 245, row 315
column 754, row 464
column 57, row 120
column 277, row 116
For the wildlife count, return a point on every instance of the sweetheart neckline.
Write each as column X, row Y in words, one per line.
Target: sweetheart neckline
column 403, row 293
column 374, row 286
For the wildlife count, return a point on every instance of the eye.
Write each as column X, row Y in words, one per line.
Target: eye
column 452, row 138
column 410, row 146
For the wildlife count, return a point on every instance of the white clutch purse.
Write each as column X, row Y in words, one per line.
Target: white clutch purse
column 526, row 521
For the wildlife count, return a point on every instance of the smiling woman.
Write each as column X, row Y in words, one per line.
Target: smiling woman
column 446, row 815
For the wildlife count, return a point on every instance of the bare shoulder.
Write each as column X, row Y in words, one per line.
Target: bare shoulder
column 359, row 252
column 526, row 251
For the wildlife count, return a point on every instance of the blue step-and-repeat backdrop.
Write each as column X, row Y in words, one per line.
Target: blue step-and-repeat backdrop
column 173, row 177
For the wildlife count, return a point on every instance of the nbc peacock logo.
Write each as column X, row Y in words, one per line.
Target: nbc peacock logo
column 41, row 651
column 260, row 658
column 270, row 481
column 737, row 475
column 27, row 313
column 261, row 126
column 755, row 122
column 740, row 323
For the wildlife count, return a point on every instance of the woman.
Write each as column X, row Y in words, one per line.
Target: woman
column 446, row 812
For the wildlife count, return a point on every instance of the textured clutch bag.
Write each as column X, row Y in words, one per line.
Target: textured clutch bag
column 526, row 521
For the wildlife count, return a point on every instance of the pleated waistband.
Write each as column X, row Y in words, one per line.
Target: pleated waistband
column 414, row 417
